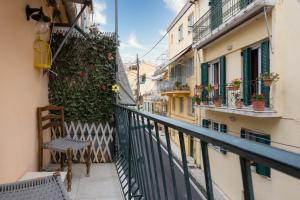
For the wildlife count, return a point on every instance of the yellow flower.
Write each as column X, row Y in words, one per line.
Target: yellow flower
column 115, row 88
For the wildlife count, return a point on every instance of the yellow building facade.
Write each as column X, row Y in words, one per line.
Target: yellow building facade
column 254, row 38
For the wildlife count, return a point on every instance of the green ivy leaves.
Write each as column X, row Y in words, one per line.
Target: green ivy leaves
column 84, row 69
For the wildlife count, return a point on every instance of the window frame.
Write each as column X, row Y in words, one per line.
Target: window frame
column 181, row 105
column 180, row 33
column 191, row 21
column 174, row 104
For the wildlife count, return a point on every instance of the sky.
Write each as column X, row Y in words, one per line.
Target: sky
column 141, row 24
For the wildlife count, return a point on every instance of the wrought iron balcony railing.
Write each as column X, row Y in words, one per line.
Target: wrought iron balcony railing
column 169, row 86
column 147, row 169
column 219, row 13
column 248, row 96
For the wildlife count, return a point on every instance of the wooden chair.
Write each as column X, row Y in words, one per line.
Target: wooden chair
column 52, row 118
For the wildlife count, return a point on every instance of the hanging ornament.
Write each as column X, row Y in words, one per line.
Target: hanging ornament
column 42, row 54
column 115, row 88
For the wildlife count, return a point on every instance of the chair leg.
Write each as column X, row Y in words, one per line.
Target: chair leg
column 62, row 161
column 40, row 159
column 88, row 161
column 69, row 172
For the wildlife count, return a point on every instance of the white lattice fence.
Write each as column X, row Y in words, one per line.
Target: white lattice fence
column 101, row 136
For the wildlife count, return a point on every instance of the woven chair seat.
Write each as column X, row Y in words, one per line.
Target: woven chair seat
column 63, row 144
column 46, row 188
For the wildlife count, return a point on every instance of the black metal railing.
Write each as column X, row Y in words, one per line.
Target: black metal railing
column 147, row 169
column 234, row 95
column 219, row 13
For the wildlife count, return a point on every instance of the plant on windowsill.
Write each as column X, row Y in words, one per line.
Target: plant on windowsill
column 197, row 100
column 209, row 88
column 238, row 100
column 268, row 78
column 177, row 85
column 234, row 84
column 204, row 100
column 185, row 87
column 217, row 100
column 258, row 102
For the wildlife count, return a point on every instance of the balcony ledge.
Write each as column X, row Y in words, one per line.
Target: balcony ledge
column 175, row 93
column 247, row 111
column 244, row 15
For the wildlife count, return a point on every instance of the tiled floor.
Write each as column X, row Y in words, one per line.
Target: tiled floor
column 103, row 184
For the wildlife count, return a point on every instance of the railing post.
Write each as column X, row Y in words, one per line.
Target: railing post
column 247, row 179
column 185, row 167
column 171, row 161
column 207, row 173
column 129, row 155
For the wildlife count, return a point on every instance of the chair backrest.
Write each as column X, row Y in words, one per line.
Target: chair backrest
column 52, row 118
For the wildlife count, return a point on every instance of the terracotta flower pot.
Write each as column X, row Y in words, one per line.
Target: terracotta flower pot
column 233, row 87
column 239, row 104
column 258, row 105
column 205, row 103
column 217, row 103
column 268, row 82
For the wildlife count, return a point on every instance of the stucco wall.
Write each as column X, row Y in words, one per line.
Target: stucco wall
column 22, row 89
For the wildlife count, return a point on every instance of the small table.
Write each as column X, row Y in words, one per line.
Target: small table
column 33, row 175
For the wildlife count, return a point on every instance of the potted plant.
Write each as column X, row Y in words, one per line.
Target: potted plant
column 177, row 85
column 268, row 78
column 234, row 84
column 197, row 100
column 217, row 100
column 238, row 100
column 204, row 100
column 258, row 102
column 185, row 87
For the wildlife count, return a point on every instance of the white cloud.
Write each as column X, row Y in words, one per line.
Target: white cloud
column 99, row 17
column 162, row 32
column 133, row 42
column 175, row 5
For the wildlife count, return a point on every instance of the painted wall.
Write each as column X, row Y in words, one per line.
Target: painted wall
column 22, row 89
column 284, row 28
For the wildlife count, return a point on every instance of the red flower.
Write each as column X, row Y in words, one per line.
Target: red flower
column 104, row 88
column 110, row 57
column 82, row 74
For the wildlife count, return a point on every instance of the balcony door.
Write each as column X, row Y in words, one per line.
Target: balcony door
column 214, row 76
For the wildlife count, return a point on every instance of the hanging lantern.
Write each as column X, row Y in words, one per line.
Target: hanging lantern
column 42, row 54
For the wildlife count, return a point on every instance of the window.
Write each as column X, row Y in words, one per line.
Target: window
column 214, row 76
column 191, row 108
column 256, row 60
column 261, row 138
column 174, row 104
column 180, row 33
column 143, row 79
column 171, row 39
column 190, row 67
column 181, row 104
column 219, row 127
column 190, row 22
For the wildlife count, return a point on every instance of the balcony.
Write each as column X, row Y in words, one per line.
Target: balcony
column 233, row 101
column 147, row 167
column 224, row 17
column 172, row 89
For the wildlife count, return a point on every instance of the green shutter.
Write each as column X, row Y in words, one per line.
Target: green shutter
column 204, row 78
column 265, row 67
column 261, row 169
column 216, row 14
column 247, row 76
column 244, row 3
column 223, row 79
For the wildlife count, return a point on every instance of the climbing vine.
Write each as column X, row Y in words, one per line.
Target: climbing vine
column 86, row 73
